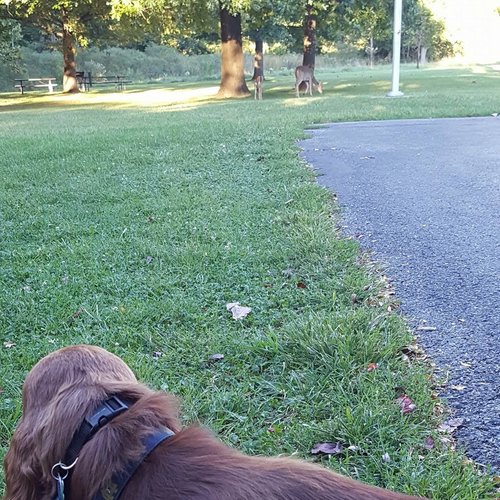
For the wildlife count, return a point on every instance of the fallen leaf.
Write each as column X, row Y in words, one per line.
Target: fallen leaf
column 216, row 357
column 407, row 405
column 371, row 367
column 238, row 311
column 451, row 425
column 157, row 354
column 354, row 298
column 8, row 344
column 412, row 351
column 149, row 259
column 327, row 448
column 301, row 284
column 76, row 314
column 150, row 219
column 288, row 272
column 429, row 443
column 386, row 457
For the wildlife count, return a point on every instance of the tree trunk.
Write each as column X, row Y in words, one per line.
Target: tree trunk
column 232, row 63
column 70, row 85
column 372, row 52
column 258, row 61
column 309, row 58
column 423, row 55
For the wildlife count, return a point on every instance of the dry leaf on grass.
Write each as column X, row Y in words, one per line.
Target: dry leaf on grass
column 451, row 425
column 327, row 448
column 238, row 311
column 216, row 357
column 9, row 344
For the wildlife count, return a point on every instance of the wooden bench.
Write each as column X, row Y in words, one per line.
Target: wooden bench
column 31, row 83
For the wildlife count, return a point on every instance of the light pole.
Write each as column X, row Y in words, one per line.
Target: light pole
column 396, row 49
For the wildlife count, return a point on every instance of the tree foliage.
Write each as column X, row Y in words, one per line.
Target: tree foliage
column 10, row 35
column 194, row 26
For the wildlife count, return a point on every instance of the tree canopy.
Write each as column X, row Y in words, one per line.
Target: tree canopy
column 197, row 26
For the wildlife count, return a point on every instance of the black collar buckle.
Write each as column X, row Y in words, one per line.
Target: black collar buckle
column 108, row 410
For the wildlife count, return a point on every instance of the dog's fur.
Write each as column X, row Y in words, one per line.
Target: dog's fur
column 68, row 385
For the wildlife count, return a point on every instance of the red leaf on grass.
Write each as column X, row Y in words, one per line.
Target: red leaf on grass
column 371, row 367
column 429, row 443
column 301, row 284
column 327, row 448
column 407, row 405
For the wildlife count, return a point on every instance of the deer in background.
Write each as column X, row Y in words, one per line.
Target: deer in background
column 258, row 82
column 306, row 74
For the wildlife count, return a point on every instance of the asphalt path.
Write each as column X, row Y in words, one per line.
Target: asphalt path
column 423, row 196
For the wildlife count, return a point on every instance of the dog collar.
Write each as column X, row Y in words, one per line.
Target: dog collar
column 119, row 481
column 103, row 414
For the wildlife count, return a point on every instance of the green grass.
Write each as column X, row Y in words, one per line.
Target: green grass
column 131, row 223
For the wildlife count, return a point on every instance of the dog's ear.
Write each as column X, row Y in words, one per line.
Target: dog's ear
column 21, row 466
column 42, row 437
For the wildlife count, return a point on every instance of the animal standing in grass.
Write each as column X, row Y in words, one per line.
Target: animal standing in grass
column 89, row 427
column 306, row 74
column 258, row 83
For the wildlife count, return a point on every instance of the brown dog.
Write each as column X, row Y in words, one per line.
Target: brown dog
column 71, row 383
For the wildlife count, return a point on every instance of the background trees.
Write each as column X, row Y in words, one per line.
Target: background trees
column 66, row 23
column 358, row 27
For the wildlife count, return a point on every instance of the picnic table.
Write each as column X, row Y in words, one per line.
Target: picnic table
column 23, row 83
column 87, row 80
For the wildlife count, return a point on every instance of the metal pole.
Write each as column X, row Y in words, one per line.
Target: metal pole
column 396, row 49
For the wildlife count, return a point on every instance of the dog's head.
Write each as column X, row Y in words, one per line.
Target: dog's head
column 80, row 365
column 58, row 393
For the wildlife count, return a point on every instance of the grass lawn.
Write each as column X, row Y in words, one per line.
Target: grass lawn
column 130, row 220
